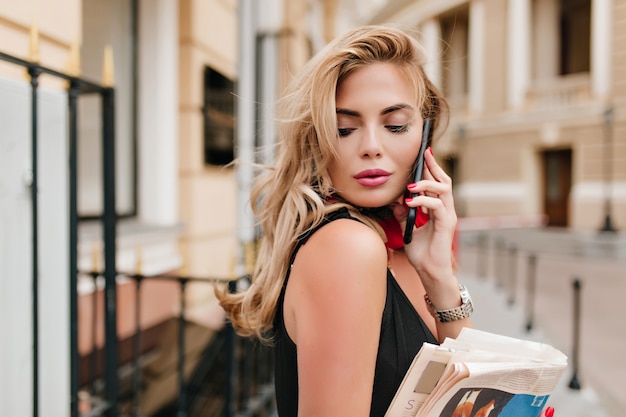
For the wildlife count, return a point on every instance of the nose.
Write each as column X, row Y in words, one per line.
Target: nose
column 371, row 145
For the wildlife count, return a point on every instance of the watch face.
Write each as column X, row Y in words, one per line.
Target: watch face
column 465, row 296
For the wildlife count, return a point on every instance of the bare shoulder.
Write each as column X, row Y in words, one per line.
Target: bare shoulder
column 343, row 244
column 341, row 270
column 333, row 311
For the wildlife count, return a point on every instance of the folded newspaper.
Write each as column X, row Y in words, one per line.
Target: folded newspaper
column 479, row 374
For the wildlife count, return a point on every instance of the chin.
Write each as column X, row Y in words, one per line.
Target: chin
column 372, row 198
column 374, row 202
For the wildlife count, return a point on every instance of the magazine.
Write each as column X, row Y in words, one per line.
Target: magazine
column 479, row 374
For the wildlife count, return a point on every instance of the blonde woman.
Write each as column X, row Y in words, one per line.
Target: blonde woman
column 344, row 303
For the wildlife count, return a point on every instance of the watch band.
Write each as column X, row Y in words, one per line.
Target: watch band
column 463, row 311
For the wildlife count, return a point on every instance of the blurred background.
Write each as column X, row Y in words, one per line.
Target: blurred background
column 119, row 209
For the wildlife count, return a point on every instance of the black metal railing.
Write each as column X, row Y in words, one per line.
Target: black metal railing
column 77, row 86
column 243, row 369
column 234, row 376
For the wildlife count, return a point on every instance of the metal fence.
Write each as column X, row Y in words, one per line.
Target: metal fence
column 240, row 369
column 234, row 376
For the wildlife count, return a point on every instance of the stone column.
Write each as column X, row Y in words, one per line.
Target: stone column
column 158, row 112
column 476, row 56
column 601, row 48
column 545, row 40
column 431, row 41
column 518, row 52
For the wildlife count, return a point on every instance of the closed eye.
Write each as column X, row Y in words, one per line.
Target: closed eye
column 345, row 131
column 398, row 128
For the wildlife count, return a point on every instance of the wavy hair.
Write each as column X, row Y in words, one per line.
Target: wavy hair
column 292, row 196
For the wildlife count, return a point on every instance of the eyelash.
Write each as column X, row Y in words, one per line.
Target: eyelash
column 344, row 131
column 392, row 128
column 398, row 129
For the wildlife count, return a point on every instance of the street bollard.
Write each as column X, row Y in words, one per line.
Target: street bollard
column 482, row 253
column 499, row 261
column 531, row 279
column 512, row 273
column 574, row 383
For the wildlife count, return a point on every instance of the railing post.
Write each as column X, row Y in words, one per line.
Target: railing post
column 72, row 93
column 482, row 250
column 93, row 355
column 109, row 220
column 34, row 73
column 230, row 368
column 182, row 392
column 137, row 346
column 574, row 383
column 499, row 251
column 531, row 280
column 248, row 354
column 512, row 273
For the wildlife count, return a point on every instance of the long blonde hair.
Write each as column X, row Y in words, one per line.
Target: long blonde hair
column 292, row 196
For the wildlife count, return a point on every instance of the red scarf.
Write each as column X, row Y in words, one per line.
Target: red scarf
column 395, row 235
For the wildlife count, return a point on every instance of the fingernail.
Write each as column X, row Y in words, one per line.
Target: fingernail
column 549, row 412
column 411, row 185
column 408, row 199
column 430, row 150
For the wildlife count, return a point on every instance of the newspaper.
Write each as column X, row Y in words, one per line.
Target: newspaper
column 479, row 374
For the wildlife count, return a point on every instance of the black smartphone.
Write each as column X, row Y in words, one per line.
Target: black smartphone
column 417, row 176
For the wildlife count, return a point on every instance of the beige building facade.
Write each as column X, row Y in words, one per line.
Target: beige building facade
column 175, row 69
column 538, row 128
column 538, row 104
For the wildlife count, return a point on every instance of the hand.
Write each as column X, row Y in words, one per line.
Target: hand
column 430, row 251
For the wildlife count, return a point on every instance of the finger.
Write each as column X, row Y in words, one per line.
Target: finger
column 434, row 169
column 432, row 188
column 436, row 208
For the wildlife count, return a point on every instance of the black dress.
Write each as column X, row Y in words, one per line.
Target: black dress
column 402, row 334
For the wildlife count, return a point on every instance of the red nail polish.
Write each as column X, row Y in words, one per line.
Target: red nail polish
column 408, row 199
column 430, row 150
column 411, row 185
column 549, row 412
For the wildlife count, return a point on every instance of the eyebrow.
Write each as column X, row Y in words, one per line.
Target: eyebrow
column 385, row 111
column 395, row 107
column 349, row 112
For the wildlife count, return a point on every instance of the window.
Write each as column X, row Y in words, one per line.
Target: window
column 575, row 33
column 219, row 120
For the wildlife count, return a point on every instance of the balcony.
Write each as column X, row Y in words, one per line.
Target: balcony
column 559, row 93
column 190, row 371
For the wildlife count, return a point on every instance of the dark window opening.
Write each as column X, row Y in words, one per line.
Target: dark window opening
column 451, row 165
column 219, row 119
column 575, row 32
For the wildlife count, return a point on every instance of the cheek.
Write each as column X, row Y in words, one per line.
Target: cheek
column 334, row 168
column 406, row 162
column 339, row 164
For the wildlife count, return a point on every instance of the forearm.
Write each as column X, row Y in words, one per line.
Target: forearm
column 450, row 305
column 451, row 329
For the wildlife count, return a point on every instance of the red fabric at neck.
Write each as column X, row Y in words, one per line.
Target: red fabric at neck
column 395, row 234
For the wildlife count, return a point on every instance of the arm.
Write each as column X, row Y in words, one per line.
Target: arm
column 430, row 251
column 333, row 311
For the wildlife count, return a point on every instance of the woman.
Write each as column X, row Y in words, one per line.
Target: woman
column 341, row 301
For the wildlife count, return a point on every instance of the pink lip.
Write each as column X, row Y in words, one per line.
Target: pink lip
column 372, row 177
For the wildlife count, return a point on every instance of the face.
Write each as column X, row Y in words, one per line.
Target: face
column 379, row 135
